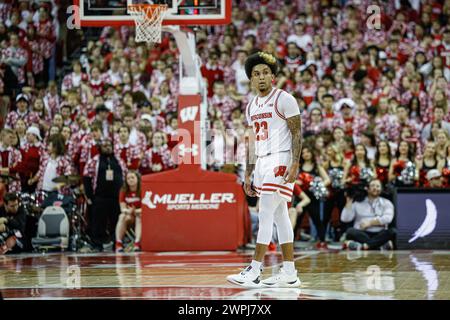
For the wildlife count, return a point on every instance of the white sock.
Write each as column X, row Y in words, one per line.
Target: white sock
column 256, row 266
column 289, row 267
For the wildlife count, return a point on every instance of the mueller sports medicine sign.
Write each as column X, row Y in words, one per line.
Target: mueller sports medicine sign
column 187, row 201
column 191, row 209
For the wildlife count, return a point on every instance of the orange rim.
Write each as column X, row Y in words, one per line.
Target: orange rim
column 148, row 8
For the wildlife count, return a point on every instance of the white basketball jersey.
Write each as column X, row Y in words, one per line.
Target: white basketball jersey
column 267, row 115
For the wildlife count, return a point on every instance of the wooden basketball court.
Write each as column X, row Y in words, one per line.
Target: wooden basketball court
column 201, row 275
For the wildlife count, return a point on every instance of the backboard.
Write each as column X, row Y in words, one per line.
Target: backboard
column 99, row 13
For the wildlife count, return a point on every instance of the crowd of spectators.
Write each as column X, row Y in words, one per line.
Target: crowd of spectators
column 374, row 98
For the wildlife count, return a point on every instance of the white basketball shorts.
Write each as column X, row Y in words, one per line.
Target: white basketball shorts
column 269, row 172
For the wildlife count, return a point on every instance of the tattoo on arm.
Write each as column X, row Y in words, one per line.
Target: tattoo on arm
column 250, row 158
column 295, row 126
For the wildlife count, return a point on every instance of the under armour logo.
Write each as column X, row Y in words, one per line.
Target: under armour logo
column 188, row 114
column 148, row 201
column 279, row 171
column 183, row 150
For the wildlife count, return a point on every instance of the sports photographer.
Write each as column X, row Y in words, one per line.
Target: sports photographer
column 12, row 223
column 371, row 218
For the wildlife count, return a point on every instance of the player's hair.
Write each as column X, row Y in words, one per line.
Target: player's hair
column 260, row 58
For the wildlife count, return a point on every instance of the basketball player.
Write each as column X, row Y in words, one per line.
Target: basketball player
column 274, row 116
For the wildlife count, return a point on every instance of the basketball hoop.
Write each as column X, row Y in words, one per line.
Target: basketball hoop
column 148, row 20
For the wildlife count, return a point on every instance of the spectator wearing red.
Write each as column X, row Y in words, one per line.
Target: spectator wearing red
column 435, row 179
column 220, row 101
column 16, row 57
column 438, row 118
column 331, row 118
column 90, row 145
column 383, row 161
column 96, row 83
column 427, row 162
column 443, row 51
column 35, row 64
column 294, row 58
column 212, row 72
column 400, row 121
column 104, row 117
column 241, row 81
column 9, row 157
column 66, row 113
column 73, row 80
column 113, row 76
column 345, row 106
column 74, row 148
column 167, row 101
column 31, row 158
column 415, row 91
column 171, row 130
column 315, row 122
column 52, row 99
column 352, row 173
column 158, row 158
column 309, row 169
column 22, row 112
column 137, row 139
column 47, row 36
column 125, row 151
column 297, row 207
column 404, row 155
column 20, row 128
column 303, row 40
column 53, row 164
column 305, row 85
column 130, row 211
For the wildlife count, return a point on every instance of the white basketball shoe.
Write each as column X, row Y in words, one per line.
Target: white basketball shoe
column 247, row 278
column 282, row 280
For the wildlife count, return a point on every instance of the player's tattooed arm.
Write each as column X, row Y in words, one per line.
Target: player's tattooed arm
column 295, row 126
column 250, row 160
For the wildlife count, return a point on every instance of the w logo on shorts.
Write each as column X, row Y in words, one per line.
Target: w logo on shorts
column 279, row 171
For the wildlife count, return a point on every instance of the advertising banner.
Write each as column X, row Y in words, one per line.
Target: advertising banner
column 423, row 218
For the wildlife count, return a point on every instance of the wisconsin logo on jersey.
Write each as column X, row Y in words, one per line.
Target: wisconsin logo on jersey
column 188, row 114
column 279, row 171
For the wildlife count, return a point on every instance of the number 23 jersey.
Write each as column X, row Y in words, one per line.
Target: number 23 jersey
column 267, row 116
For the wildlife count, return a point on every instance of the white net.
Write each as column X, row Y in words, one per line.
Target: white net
column 148, row 20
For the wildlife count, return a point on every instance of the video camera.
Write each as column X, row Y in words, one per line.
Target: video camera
column 357, row 192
